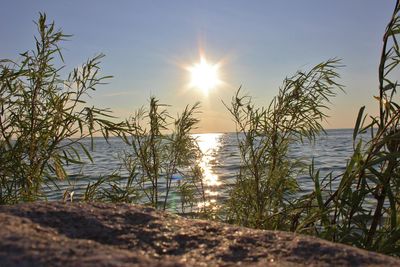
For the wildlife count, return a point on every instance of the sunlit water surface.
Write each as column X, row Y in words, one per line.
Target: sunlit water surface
column 220, row 162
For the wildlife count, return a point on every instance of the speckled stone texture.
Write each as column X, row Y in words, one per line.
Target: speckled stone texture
column 97, row 234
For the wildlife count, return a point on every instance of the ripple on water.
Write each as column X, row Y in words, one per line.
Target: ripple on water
column 221, row 160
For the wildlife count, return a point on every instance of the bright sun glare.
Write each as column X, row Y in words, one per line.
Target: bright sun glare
column 204, row 76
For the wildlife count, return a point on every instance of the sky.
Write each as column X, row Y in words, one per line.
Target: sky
column 149, row 45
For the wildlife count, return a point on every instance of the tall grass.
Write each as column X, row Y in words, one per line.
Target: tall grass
column 162, row 162
column 43, row 118
column 260, row 196
column 364, row 209
column 167, row 159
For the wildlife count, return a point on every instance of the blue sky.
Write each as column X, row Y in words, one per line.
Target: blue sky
column 259, row 42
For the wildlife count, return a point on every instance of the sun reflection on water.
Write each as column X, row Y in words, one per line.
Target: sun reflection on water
column 209, row 145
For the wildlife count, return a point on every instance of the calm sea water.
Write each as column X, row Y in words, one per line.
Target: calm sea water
column 220, row 163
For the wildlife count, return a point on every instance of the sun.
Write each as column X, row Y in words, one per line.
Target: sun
column 204, row 76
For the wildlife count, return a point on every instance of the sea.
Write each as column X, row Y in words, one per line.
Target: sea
column 220, row 162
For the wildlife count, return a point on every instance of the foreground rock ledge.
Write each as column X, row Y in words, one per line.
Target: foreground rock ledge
column 97, row 234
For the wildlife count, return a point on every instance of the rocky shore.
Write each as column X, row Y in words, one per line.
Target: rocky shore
column 97, row 234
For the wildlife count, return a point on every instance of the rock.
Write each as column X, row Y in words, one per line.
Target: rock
column 98, row 234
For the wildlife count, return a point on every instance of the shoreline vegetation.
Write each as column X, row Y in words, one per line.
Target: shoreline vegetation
column 44, row 120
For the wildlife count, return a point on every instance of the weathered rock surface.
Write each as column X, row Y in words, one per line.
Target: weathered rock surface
column 78, row 234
